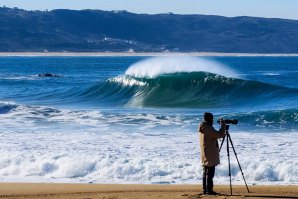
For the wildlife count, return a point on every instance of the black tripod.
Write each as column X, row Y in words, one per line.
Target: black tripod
column 228, row 153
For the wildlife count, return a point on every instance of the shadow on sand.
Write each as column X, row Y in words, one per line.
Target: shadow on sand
column 239, row 196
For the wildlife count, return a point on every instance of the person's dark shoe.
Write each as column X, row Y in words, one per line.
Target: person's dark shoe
column 204, row 191
column 211, row 193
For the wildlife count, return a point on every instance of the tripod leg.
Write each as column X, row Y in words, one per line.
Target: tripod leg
column 223, row 140
column 228, row 152
column 230, row 139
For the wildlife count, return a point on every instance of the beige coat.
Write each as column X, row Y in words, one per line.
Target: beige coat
column 209, row 145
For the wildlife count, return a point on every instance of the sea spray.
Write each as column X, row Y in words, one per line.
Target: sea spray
column 156, row 66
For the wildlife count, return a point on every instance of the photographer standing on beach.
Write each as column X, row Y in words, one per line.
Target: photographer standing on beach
column 210, row 150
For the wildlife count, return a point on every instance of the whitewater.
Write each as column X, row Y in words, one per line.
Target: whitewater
column 134, row 119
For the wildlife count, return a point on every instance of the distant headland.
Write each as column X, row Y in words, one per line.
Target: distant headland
column 97, row 31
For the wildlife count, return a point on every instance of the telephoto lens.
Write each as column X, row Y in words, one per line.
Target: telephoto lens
column 233, row 121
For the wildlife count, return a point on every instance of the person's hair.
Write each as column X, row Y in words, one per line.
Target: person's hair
column 208, row 117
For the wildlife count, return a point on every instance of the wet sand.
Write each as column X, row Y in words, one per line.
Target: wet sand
column 119, row 191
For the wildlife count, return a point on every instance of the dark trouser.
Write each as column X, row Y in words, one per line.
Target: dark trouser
column 208, row 174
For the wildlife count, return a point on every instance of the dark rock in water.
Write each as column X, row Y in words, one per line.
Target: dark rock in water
column 48, row 75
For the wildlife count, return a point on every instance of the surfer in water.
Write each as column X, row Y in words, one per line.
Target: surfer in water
column 210, row 150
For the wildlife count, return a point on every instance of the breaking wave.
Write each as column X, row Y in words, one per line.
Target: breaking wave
column 193, row 89
column 172, row 82
column 184, row 82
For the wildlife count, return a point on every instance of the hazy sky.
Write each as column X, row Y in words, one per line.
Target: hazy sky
column 262, row 8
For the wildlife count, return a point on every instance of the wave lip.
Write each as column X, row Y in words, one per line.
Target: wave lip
column 153, row 67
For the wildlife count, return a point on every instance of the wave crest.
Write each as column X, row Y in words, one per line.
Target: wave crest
column 195, row 89
column 153, row 67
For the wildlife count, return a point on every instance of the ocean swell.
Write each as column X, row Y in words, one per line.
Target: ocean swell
column 193, row 89
column 257, row 121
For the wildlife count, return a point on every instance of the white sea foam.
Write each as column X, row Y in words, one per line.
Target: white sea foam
column 126, row 81
column 19, row 77
column 141, row 158
column 41, row 144
column 156, row 66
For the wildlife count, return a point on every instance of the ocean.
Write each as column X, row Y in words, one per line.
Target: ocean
column 134, row 119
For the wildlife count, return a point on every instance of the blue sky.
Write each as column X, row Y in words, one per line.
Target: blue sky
column 261, row 8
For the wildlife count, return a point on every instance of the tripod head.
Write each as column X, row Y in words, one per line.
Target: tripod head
column 228, row 122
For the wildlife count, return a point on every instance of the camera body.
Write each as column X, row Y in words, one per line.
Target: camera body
column 233, row 121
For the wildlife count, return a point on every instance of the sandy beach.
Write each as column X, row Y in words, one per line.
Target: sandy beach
column 125, row 54
column 117, row 191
